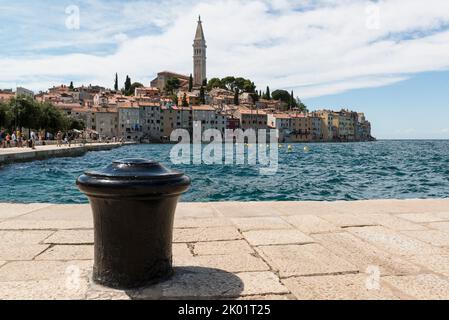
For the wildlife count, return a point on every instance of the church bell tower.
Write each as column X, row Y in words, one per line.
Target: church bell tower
column 199, row 56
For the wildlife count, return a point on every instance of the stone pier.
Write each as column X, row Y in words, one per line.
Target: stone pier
column 13, row 155
column 387, row 249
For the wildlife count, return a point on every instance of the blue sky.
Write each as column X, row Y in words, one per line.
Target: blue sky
column 417, row 108
column 384, row 58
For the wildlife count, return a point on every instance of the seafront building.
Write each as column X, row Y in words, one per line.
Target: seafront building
column 152, row 113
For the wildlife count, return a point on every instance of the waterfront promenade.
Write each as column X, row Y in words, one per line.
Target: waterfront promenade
column 13, row 155
column 386, row 249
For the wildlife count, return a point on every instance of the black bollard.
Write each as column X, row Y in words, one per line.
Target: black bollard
column 133, row 203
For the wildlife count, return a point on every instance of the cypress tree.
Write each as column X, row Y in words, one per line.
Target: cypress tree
column 202, row 96
column 268, row 94
column 116, row 82
column 127, row 84
column 292, row 100
column 71, row 85
column 190, row 83
column 236, row 97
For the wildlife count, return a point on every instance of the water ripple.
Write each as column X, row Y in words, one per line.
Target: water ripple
column 380, row 170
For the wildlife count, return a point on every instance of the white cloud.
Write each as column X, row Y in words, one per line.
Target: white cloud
column 314, row 47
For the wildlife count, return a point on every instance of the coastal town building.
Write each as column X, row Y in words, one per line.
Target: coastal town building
column 151, row 114
column 106, row 123
column 23, row 92
column 209, row 118
column 150, row 120
column 129, row 126
column 147, row 94
column 252, row 118
column 317, row 128
column 162, row 77
column 6, row 95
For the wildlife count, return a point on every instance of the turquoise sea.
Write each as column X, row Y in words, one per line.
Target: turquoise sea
column 335, row 171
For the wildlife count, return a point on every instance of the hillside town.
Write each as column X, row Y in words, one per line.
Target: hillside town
column 176, row 101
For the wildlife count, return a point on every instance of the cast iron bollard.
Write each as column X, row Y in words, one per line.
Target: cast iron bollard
column 133, row 203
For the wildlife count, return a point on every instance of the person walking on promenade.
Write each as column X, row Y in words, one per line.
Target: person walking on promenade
column 33, row 140
column 69, row 139
column 59, row 139
column 19, row 139
column 14, row 139
column 8, row 140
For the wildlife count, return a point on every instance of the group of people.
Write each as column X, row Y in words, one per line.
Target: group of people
column 14, row 139
column 17, row 139
column 10, row 139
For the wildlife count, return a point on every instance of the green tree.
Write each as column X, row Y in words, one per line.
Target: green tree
column 116, row 82
column 172, row 85
column 127, row 85
column 248, row 86
column 292, row 100
column 228, row 83
column 236, row 96
column 71, row 124
column 282, row 95
column 6, row 115
column 254, row 97
column 190, row 83
column 268, row 94
column 26, row 112
column 51, row 119
column 184, row 100
column 302, row 107
column 132, row 88
column 214, row 83
column 71, row 87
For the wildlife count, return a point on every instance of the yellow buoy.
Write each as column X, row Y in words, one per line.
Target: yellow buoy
column 306, row 149
column 290, row 148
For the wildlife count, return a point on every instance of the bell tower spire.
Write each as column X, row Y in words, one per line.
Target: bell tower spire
column 199, row 55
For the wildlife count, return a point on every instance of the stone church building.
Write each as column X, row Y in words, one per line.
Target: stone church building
column 199, row 64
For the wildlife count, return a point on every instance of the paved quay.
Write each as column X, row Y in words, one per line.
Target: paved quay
column 13, row 155
column 386, row 249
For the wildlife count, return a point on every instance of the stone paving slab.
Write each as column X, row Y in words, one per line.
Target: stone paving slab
column 433, row 237
column 304, row 260
column 421, row 217
column 380, row 249
column 67, row 253
column 71, row 237
column 394, row 242
column 230, row 263
column 340, row 287
column 311, row 224
column 261, row 223
column 442, row 226
column 10, row 210
column 222, row 248
column 364, row 255
column 206, row 234
column 423, row 286
column 275, row 237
